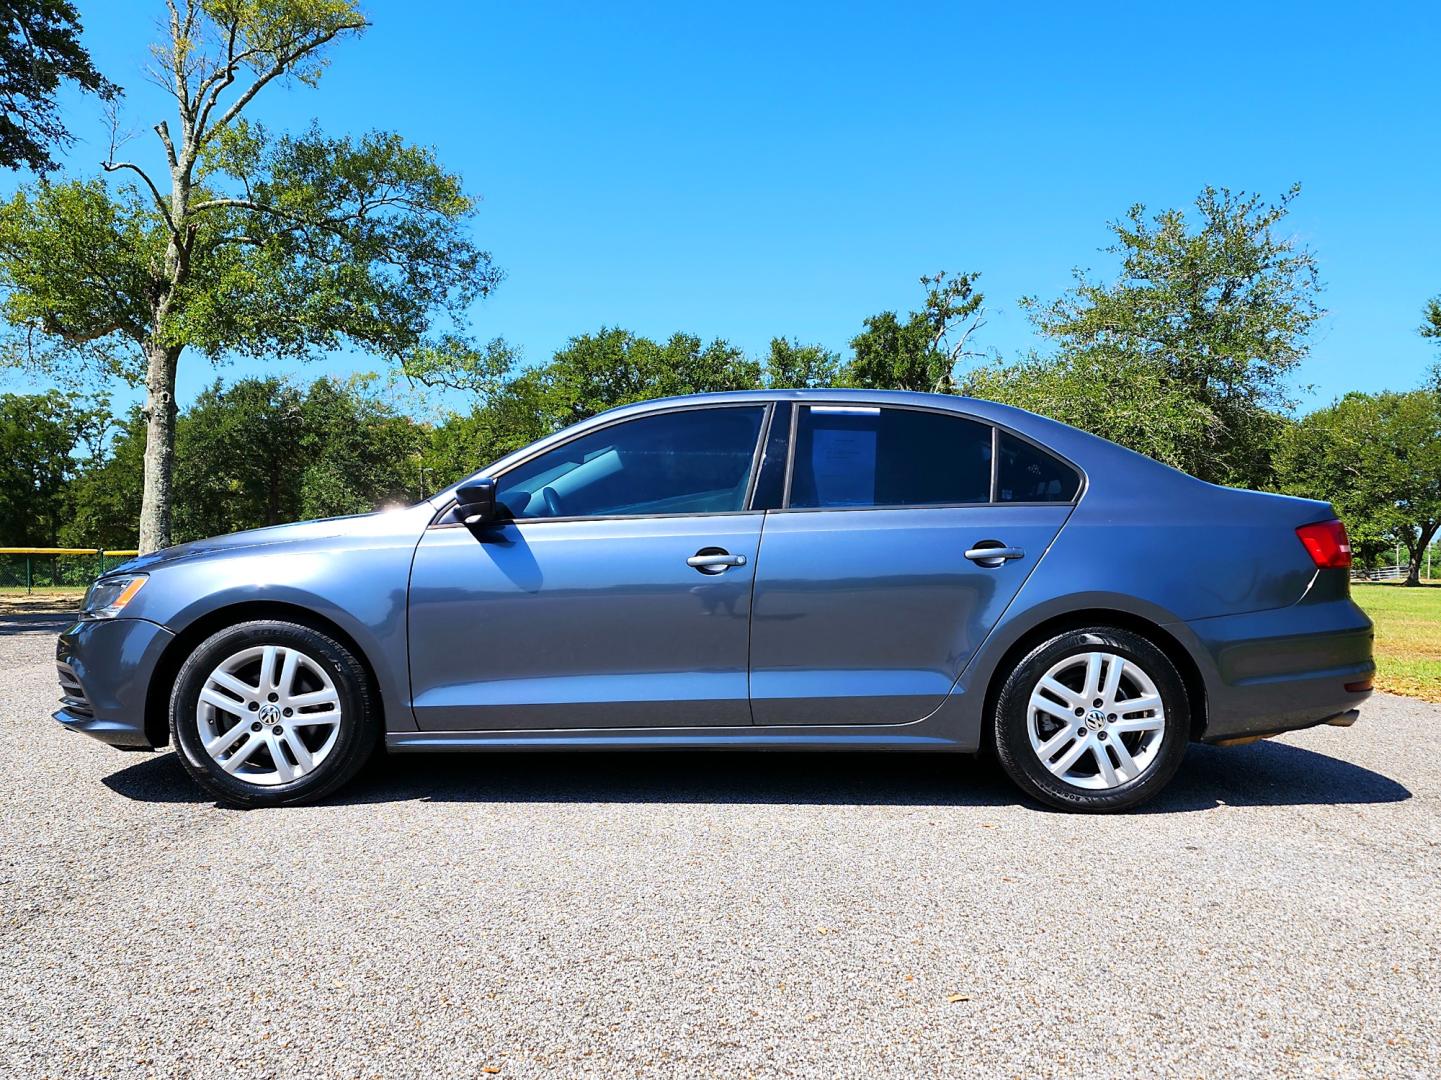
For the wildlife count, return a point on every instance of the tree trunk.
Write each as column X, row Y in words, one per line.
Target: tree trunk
column 155, row 499
column 272, row 495
column 1418, row 553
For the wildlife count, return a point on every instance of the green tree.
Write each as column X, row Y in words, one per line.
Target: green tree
column 44, row 442
column 1377, row 458
column 612, row 367
column 792, row 366
column 263, row 451
column 263, row 245
column 103, row 497
column 360, row 453
column 512, row 418
column 923, row 351
column 259, row 451
column 1431, row 323
column 239, row 458
column 593, row 373
column 1121, row 398
column 1201, row 331
column 40, row 49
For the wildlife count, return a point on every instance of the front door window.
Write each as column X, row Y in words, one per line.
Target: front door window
column 691, row 461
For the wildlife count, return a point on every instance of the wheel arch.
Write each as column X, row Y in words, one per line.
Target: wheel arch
column 1082, row 618
column 162, row 678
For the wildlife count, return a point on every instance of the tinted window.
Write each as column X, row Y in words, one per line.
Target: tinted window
column 857, row 456
column 1027, row 473
column 696, row 461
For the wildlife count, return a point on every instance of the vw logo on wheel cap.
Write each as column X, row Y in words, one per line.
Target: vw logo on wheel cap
column 1095, row 719
column 270, row 714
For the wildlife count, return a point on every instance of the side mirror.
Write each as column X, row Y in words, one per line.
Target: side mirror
column 475, row 502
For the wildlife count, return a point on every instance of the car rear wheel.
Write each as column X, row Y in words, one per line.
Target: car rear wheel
column 1094, row 719
column 269, row 713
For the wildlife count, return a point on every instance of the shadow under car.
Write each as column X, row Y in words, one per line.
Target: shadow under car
column 1264, row 774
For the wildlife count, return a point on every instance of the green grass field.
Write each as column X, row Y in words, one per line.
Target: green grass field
column 1408, row 630
column 1408, row 636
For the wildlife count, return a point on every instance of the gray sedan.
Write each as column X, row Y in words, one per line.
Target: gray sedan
column 826, row 570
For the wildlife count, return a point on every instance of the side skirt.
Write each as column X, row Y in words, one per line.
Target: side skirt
column 749, row 738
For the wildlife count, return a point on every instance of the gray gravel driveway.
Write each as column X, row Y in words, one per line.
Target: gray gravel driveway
column 1275, row 913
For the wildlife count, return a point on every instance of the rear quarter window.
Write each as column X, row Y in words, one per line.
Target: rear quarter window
column 1026, row 473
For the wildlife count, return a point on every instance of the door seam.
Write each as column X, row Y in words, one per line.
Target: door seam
column 751, row 618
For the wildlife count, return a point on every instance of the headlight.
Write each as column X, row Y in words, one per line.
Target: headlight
column 108, row 596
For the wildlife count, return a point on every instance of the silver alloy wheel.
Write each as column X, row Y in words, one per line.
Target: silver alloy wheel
column 1096, row 720
column 268, row 715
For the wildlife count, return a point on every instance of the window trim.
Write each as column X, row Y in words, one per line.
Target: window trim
column 995, row 461
column 996, row 429
column 791, row 453
column 757, row 456
column 772, row 410
column 767, row 407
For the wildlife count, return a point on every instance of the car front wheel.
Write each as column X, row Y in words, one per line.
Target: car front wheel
column 1094, row 719
column 268, row 713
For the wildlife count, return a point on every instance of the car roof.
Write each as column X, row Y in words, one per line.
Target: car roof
column 1040, row 428
column 949, row 402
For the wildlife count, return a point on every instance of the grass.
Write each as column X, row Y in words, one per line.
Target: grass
column 1408, row 636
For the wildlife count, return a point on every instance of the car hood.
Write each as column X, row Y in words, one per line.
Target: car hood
column 355, row 525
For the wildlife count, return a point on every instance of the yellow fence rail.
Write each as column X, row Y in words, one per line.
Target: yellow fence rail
column 31, row 553
column 67, row 551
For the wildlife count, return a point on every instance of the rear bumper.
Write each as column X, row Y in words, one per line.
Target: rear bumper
column 1273, row 671
column 105, row 668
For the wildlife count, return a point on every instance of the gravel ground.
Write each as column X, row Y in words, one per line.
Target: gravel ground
column 1276, row 913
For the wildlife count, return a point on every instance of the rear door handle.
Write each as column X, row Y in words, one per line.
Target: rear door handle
column 715, row 562
column 992, row 553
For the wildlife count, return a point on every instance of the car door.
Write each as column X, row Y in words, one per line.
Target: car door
column 619, row 594
column 903, row 535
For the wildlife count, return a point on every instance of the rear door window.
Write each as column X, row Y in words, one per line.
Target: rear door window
column 865, row 456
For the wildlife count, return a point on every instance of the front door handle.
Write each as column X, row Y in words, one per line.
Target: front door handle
column 714, row 561
column 992, row 553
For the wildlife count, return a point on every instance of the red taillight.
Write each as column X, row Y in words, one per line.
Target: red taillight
column 1328, row 544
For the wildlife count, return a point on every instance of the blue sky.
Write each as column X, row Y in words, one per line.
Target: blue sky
column 749, row 170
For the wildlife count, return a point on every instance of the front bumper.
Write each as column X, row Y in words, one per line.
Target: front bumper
column 105, row 667
column 1280, row 670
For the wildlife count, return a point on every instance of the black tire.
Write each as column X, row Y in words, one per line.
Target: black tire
column 359, row 727
column 1012, row 738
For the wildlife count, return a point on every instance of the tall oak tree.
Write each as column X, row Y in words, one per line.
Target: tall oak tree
column 241, row 241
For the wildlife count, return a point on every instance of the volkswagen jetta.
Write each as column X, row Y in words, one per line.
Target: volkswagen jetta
column 820, row 570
